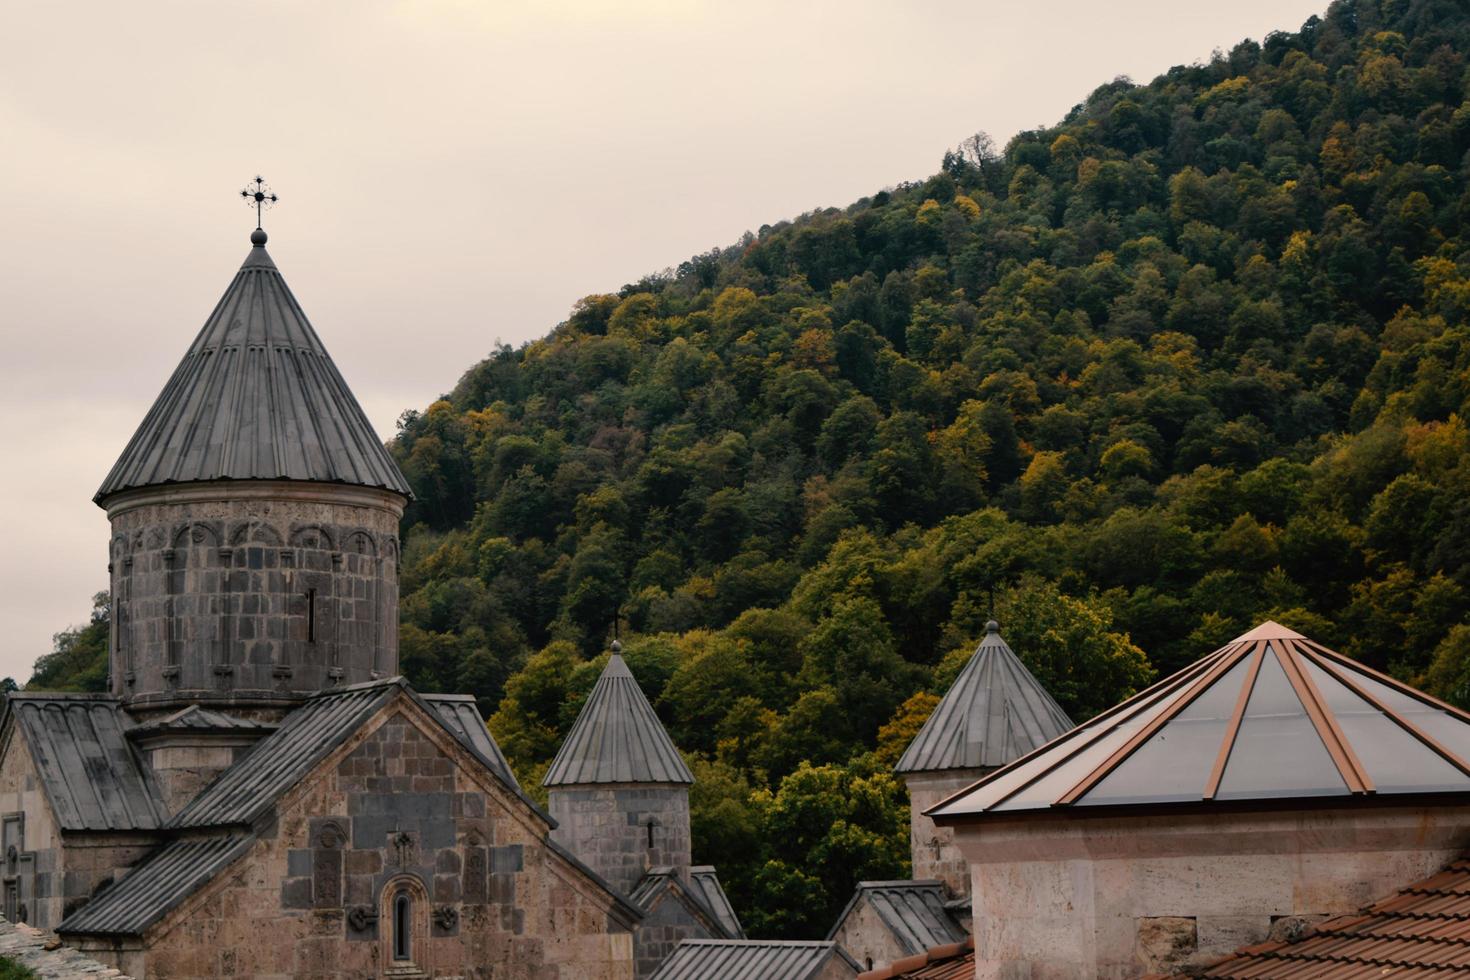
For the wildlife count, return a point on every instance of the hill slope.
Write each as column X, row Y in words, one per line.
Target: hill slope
column 1196, row 356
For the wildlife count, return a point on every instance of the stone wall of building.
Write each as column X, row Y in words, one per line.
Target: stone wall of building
column 1085, row 898
column 665, row 926
column 229, row 592
column 622, row 830
column 867, row 938
column 184, row 764
column 932, row 848
column 46, row 873
column 402, row 808
column 33, row 876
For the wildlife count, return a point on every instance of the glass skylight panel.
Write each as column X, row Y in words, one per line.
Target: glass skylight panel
column 1277, row 750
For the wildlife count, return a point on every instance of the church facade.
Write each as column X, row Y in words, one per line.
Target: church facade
column 259, row 794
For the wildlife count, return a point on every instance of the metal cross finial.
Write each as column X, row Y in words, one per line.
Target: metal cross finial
column 260, row 197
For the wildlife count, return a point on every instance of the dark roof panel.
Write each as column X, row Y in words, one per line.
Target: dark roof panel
column 276, row 762
column 617, row 738
column 995, row 712
column 1270, row 716
column 460, row 715
column 92, row 777
column 311, row 732
column 747, row 959
column 256, row 397
column 913, row 911
column 163, row 881
column 706, row 883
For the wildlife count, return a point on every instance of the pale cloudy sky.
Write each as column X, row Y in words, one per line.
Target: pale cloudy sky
column 452, row 173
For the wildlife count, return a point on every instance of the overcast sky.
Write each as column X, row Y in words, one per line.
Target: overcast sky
column 452, row 173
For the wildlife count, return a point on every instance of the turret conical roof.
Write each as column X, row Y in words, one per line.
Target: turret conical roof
column 995, row 712
column 617, row 738
column 1270, row 717
column 256, row 397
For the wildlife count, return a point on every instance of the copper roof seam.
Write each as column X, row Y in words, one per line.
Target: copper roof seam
column 1227, row 745
column 1332, row 736
column 1349, row 663
column 1085, row 734
column 1344, row 677
column 1121, row 754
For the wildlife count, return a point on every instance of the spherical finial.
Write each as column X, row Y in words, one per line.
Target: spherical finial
column 616, row 647
column 992, row 627
column 257, row 237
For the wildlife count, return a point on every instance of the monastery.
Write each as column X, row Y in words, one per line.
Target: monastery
column 259, row 794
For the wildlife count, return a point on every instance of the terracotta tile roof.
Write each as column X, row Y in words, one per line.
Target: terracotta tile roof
column 955, row 961
column 1423, row 931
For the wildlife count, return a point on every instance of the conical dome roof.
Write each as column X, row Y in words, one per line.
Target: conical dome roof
column 1271, row 716
column 617, row 738
column 995, row 712
column 256, row 397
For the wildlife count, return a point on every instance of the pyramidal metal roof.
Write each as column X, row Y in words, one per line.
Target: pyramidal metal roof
column 996, row 711
column 617, row 738
column 1270, row 716
column 256, row 397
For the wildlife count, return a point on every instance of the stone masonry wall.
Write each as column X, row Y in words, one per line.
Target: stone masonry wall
column 35, row 873
column 236, row 592
column 1111, row 898
column 932, row 848
column 47, row 874
column 608, row 828
column 867, row 938
column 667, row 925
column 401, row 809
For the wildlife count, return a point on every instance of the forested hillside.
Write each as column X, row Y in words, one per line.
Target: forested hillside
column 1194, row 357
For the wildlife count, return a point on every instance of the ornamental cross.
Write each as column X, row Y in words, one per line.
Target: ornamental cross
column 258, row 195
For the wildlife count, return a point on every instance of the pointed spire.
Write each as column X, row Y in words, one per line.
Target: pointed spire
column 995, row 711
column 617, row 738
column 256, row 397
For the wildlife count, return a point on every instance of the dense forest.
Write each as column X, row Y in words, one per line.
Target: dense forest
column 1197, row 356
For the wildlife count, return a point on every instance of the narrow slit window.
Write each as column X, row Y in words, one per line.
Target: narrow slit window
column 402, row 916
column 650, row 835
column 311, row 615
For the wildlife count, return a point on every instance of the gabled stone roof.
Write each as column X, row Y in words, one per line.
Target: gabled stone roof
column 706, row 882
column 995, row 712
column 617, row 738
column 256, row 397
column 659, row 883
column 275, row 763
column 91, row 776
column 914, row 912
column 1270, row 717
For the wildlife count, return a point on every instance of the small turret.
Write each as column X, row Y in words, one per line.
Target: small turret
column 995, row 712
column 254, row 520
column 618, row 788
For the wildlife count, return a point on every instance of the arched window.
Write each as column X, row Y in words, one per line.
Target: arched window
column 403, row 927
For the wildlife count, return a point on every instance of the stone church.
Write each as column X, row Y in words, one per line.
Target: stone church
column 259, row 794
